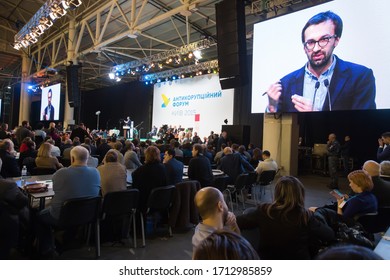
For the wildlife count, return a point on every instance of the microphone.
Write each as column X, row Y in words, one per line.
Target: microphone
column 315, row 93
column 326, row 83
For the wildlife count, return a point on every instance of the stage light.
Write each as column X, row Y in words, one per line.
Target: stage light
column 111, row 75
column 198, row 54
column 56, row 12
column 30, row 87
column 190, row 55
column 118, row 79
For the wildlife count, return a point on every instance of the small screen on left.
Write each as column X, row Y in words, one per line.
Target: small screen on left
column 50, row 103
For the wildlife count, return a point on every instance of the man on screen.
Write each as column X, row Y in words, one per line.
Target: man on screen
column 48, row 113
column 326, row 82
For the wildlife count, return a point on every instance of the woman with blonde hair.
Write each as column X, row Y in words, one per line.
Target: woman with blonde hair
column 45, row 159
column 363, row 201
column 286, row 227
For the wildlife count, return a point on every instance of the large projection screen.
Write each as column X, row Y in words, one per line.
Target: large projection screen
column 365, row 40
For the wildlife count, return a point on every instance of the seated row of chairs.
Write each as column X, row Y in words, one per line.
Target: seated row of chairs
column 89, row 211
column 245, row 181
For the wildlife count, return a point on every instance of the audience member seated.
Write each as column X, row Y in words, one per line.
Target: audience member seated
column 256, row 158
column 112, row 174
column 44, row 158
column 103, row 148
column 385, row 170
column 267, row 164
column 286, row 228
column 4, row 133
column 93, row 148
column 55, row 151
column 233, row 165
column 66, row 152
column 225, row 245
column 13, row 216
column 131, row 158
column 30, row 152
column 348, row 252
column 242, row 151
column 76, row 181
column 10, row 166
column 53, row 132
column 40, row 133
column 220, row 154
column 81, row 132
column 174, row 167
column 214, row 213
column 150, row 175
column 350, row 207
column 381, row 187
column 92, row 161
column 199, row 167
column 176, row 146
column 186, row 147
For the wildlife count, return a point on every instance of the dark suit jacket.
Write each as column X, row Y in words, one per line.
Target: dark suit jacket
column 382, row 191
column 10, row 166
column 234, row 165
column 51, row 117
column 148, row 177
column 174, row 171
column 199, row 169
column 352, row 88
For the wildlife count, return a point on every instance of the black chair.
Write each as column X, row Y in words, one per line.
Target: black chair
column 43, row 171
column 375, row 222
column 122, row 204
column 239, row 186
column 265, row 179
column 82, row 211
column 251, row 182
column 160, row 198
column 220, row 182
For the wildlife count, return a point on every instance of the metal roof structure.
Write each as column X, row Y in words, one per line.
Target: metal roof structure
column 99, row 35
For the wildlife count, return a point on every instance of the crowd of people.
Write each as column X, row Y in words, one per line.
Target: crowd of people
column 88, row 165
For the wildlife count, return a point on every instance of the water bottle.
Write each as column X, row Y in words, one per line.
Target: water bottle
column 24, row 175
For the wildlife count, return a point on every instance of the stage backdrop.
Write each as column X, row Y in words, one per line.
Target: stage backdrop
column 197, row 103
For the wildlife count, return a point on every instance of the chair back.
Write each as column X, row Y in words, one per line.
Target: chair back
column 79, row 211
column 220, row 182
column 241, row 181
column 252, row 179
column 43, row 171
column 266, row 177
column 120, row 202
column 161, row 197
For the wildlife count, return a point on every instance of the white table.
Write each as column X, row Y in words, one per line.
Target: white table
column 383, row 247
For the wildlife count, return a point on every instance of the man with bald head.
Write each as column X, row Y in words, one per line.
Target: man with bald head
column 76, row 181
column 381, row 187
column 214, row 212
column 333, row 149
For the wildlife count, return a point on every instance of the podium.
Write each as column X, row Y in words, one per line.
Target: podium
column 128, row 130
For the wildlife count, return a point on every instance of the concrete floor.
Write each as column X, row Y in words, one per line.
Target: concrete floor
column 178, row 247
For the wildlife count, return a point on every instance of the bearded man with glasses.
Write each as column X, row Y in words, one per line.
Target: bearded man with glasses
column 326, row 82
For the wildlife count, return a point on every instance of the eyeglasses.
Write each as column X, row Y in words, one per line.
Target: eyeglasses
column 309, row 45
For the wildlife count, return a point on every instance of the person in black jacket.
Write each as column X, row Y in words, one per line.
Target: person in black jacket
column 151, row 175
column 199, row 167
column 173, row 166
column 10, row 166
column 286, row 227
column 13, row 212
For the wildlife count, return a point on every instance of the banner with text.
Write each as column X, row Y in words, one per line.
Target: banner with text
column 198, row 103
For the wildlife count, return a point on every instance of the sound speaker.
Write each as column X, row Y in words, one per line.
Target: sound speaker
column 239, row 134
column 72, row 82
column 231, row 43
